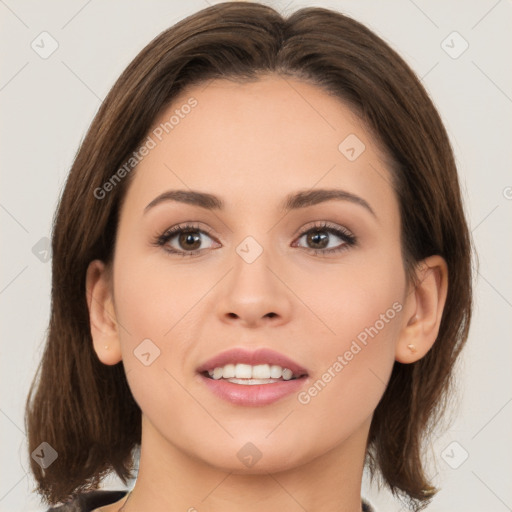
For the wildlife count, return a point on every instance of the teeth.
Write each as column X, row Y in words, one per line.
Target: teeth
column 275, row 371
column 253, row 382
column 228, row 371
column 242, row 371
column 247, row 374
column 287, row 374
column 261, row 371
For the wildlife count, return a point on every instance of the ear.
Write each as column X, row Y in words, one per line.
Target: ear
column 102, row 316
column 423, row 310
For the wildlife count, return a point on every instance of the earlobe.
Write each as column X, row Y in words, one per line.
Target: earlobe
column 423, row 310
column 102, row 317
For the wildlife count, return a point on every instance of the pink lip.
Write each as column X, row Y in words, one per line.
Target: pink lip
column 260, row 356
column 259, row 394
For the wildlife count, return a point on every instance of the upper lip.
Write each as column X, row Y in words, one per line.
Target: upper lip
column 259, row 356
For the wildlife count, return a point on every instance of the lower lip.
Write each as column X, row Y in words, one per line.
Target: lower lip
column 256, row 395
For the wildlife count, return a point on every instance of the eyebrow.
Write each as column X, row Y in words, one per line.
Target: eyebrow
column 301, row 199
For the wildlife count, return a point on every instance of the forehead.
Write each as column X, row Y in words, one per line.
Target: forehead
column 258, row 139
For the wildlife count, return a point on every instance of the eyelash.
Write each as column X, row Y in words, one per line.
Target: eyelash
column 349, row 239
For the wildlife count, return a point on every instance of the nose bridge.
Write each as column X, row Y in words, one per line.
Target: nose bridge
column 251, row 268
column 254, row 291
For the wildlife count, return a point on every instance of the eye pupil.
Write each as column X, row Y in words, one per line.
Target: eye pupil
column 186, row 238
column 316, row 237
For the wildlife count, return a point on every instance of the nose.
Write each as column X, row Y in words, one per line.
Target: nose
column 255, row 294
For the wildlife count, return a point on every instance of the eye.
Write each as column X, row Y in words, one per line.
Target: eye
column 187, row 239
column 320, row 237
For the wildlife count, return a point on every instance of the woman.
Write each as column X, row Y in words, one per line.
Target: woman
column 261, row 275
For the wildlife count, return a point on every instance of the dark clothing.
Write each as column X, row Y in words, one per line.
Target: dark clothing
column 88, row 501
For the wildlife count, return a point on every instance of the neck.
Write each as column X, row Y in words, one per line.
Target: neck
column 171, row 479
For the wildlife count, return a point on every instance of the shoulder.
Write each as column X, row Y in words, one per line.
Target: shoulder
column 88, row 501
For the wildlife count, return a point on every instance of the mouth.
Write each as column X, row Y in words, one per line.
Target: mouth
column 252, row 378
column 251, row 375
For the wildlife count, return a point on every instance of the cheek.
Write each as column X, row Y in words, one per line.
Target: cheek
column 351, row 368
column 355, row 300
column 151, row 311
column 156, row 307
column 359, row 317
column 152, row 294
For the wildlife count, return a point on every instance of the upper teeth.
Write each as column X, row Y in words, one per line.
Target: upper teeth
column 246, row 371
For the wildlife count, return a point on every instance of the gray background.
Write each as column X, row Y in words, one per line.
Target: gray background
column 47, row 105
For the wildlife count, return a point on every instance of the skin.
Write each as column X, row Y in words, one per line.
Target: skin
column 252, row 144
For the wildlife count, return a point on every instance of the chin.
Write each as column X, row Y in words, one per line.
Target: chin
column 255, row 457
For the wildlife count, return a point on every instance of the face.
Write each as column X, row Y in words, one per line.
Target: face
column 321, row 282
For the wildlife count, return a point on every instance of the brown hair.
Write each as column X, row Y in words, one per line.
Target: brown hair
column 83, row 408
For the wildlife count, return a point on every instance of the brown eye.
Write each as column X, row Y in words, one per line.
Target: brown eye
column 322, row 239
column 189, row 240
column 184, row 240
column 319, row 239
